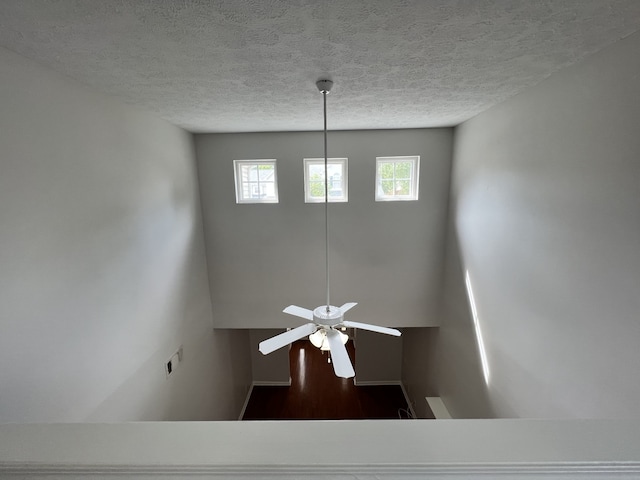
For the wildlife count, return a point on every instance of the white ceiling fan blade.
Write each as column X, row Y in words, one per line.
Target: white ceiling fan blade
column 372, row 328
column 347, row 306
column 299, row 312
column 340, row 358
column 274, row 343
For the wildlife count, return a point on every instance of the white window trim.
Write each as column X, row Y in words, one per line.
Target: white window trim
column 345, row 179
column 237, row 164
column 414, row 184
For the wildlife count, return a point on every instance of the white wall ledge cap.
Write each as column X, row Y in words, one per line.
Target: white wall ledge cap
column 366, row 449
column 530, row 471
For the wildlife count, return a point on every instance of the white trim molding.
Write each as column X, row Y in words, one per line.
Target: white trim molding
column 375, row 382
column 283, row 383
column 389, row 449
column 323, row 471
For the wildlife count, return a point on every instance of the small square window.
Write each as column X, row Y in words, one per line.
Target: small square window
column 397, row 178
column 314, row 180
column 256, row 181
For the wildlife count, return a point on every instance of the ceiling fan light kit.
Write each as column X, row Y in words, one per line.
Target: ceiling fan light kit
column 320, row 340
column 326, row 321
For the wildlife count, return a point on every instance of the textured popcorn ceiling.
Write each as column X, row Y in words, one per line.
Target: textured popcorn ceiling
column 251, row 65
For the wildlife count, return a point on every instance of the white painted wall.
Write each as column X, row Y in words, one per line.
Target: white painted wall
column 102, row 261
column 546, row 204
column 271, row 369
column 385, row 255
column 378, row 358
column 419, row 367
column 211, row 383
column 461, row 383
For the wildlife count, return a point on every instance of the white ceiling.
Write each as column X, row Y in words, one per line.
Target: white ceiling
column 251, row 65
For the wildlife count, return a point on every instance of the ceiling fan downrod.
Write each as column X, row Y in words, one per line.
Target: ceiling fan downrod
column 325, row 88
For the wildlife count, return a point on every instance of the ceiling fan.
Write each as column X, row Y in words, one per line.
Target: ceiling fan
column 326, row 321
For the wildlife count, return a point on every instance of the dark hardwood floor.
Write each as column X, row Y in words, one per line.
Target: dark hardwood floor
column 316, row 393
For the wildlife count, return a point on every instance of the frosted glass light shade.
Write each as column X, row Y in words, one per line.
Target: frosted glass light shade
column 319, row 339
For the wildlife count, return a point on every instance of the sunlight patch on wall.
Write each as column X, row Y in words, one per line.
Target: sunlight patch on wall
column 474, row 312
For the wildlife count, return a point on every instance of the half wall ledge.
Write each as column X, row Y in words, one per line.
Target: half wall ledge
column 382, row 449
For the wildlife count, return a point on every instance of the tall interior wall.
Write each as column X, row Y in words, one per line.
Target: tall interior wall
column 102, row 263
column 387, row 256
column 545, row 223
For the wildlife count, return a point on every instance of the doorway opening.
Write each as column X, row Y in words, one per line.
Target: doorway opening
column 316, row 393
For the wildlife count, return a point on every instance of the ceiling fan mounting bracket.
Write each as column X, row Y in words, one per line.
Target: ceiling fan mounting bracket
column 324, row 85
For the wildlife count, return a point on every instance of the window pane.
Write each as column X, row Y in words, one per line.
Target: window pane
column 403, row 170
column 336, row 182
column 335, row 186
column 267, row 190
column 265, row 172
column 385, row 170
column 256, row 181
column 334, row 169
column 316, row 172
column 254, row 190
column 316, row 189
column 252, row 172
column 402, row 187
column 397, row 178
column 387, row 187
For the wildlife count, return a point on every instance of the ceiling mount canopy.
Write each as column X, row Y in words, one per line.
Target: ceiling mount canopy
column 324, row 86
column 327, row 321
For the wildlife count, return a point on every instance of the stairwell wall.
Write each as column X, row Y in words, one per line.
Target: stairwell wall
column 102, row 274
column 387, row 256
column 544, row 208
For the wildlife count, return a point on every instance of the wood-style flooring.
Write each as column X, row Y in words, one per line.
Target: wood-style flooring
column 317, row 394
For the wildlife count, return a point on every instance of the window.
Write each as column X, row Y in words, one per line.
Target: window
column 314, row 180
column 397, row 178
column 256, row 181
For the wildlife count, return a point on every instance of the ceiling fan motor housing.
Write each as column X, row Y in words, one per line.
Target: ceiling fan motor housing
column 333, row 316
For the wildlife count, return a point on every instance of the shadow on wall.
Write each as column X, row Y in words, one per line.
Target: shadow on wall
column 419, row 372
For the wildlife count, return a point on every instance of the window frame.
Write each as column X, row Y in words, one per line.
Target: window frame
column 413, row 179
column 239, row 184
column 342, row 161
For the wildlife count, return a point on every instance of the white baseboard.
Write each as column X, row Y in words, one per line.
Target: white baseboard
column 375, row 382
column 272, row 384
